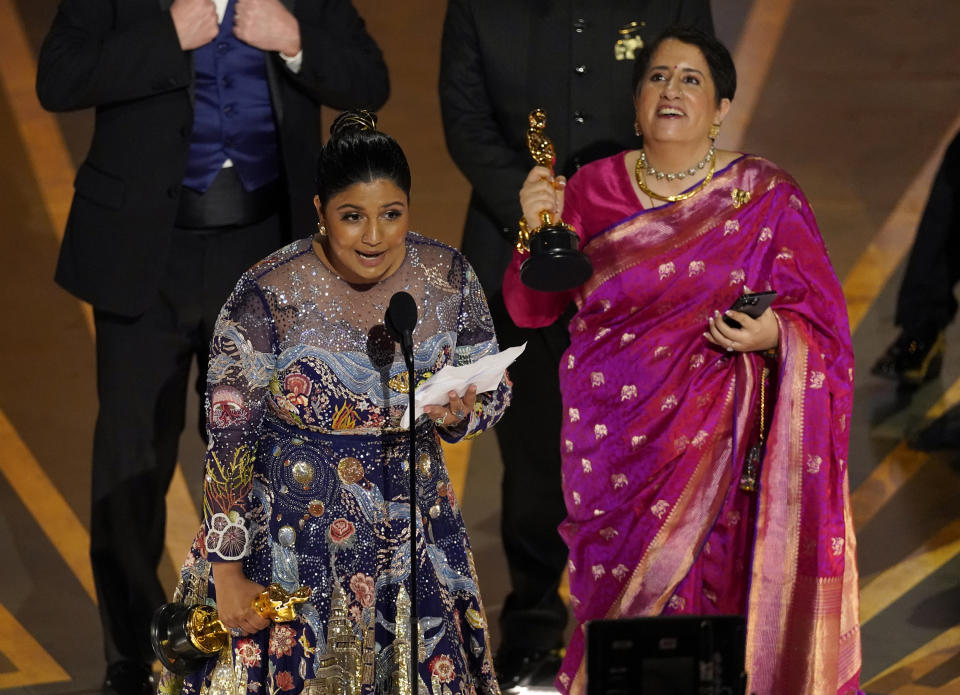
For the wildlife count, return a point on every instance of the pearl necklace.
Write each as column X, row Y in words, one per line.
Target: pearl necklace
column 638, row 173
column 692, row 171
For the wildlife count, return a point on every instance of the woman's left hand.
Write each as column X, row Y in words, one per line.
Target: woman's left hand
column 455, row 411
column 755, row 335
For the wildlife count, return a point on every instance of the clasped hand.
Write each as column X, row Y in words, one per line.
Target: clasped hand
column 263, row 24
column 541, row 192
column 235, row 597
column 754, row 335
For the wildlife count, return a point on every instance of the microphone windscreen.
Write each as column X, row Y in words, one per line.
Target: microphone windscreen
column 401, row 315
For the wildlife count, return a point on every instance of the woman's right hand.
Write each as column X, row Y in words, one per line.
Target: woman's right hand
column 541, row 191
column 235, row 596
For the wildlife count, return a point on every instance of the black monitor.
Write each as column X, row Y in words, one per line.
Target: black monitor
column 671, row 655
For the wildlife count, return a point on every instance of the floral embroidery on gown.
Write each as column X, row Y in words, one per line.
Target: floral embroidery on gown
column 307, row 480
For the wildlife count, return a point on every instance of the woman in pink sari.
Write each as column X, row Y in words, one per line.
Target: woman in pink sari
column 663, row 401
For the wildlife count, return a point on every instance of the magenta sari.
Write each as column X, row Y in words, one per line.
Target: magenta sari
column 658, row 423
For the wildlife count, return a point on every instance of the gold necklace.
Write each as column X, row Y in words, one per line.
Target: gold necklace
column 641, row 182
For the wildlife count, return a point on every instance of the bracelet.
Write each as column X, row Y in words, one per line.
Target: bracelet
column 523, row 235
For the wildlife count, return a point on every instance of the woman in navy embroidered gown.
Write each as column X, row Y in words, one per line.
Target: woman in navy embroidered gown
column 306, row 475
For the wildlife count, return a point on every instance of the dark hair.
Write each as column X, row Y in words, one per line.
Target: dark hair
column 359, row 153
column 722, row 70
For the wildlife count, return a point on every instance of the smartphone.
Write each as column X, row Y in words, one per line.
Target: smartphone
column 752, row 304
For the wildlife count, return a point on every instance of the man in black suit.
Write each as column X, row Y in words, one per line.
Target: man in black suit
column 202, row 161
column 926, row 304
column 501, row 59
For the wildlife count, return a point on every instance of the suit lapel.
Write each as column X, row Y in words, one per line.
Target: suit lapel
column 273, row 82
column 165, row 6
column 273, row 66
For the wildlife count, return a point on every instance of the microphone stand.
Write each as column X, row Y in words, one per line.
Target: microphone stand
column 406, row 347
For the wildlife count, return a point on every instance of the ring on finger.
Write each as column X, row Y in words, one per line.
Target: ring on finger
column 461, row 413
column 439, row 421
column 236, row 631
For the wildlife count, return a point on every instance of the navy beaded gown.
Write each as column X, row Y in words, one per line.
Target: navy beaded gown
column 307, row 480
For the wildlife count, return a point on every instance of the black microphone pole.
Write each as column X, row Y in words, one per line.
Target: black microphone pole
column 414, row 623
column 401, row 318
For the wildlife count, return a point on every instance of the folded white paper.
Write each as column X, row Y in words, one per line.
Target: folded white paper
column 486, row 373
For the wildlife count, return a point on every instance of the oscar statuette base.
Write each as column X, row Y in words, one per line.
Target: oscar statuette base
column 555, row 263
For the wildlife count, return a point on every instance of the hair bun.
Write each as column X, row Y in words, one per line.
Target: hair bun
column 350, row 121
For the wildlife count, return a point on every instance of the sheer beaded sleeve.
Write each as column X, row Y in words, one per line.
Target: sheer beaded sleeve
column 242, row 364
column 475, row 339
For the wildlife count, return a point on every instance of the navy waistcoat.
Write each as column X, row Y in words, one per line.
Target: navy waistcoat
column 233, row 115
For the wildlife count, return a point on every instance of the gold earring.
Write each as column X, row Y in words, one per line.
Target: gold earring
column 321, row 230
column 714, row 131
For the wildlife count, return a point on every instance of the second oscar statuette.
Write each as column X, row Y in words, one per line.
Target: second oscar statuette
column 556, row 262
column 185, row 636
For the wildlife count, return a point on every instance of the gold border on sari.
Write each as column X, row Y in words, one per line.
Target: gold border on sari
column 802, row 631
column 778, row 517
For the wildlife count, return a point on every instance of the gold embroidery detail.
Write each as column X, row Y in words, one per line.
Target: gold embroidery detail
column 226, row 485
column 740, row 197
column 349, row 663
column 660, row 509
column 400, row 383
column 350, row 470
column 345, row 418
column 474, row 619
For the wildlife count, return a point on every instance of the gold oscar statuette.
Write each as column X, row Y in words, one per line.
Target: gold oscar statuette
column 555, row 263
column 184, row 636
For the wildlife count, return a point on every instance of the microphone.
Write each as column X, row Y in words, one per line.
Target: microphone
column 400, row 320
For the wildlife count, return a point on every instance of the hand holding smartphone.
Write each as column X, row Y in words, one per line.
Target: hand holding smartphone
column 752, row 304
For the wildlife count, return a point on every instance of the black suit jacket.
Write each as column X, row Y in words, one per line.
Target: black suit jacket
column 503, row 58
column 123, row 58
